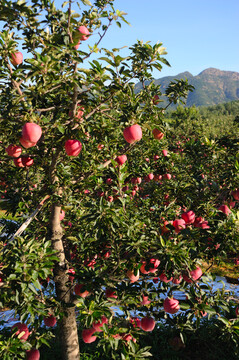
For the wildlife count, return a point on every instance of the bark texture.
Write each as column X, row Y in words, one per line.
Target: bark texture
column 68, row 326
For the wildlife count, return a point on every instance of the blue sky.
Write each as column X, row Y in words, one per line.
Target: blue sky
column 197, row 33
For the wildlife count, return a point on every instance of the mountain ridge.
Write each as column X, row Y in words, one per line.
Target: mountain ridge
column 212, row 86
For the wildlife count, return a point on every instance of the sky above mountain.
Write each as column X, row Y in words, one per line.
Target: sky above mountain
column 198, row 34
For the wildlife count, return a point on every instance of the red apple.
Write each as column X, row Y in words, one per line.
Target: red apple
column 165, row 152
column 198, row 221
column 164, row 228
column 84, row 33
column 127, row 337
column 110, row 293
column 133, row 133
column 27, row 161
column 31, row 132
column 135, row 321
column 98, row 325
column 77, row 45
column 167, row 176
column 133, row 278
column 78, row 291
column 14, row 150
column 50, row 320
column 156, row 99
column 194, row 275
column 22, row 330
column 204, row 225
column 72, row 276
column 158, row 135
column 171, row 306
column 154, row 262
column 79, row 112
column 179, row 225
column 145, row 300
column 16, row 58
column 188, row 217
column 121, row 159
column 164, row 278
column 177, row 280
column 147, row 323
column 235, row 194
column 26, row 144
column 225, row 209
column 232, row 204
column 87, row 335
column 18, row 162
column 150, row 176
column 32, row 354
column 73, row 147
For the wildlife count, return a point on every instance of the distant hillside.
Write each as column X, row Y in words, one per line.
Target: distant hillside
column 212, row 86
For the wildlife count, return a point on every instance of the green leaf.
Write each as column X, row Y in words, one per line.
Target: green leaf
column 86, row 2
column 224, row 320
column 162, row 242
column 32, row 288
column 184, row 306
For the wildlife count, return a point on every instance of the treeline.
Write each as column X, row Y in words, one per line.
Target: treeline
column 212, row 121
column 229, row 108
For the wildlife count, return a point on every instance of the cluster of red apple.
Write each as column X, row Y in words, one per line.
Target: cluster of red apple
column 87, row 334
column 23, row 334
column 21, row 330
column 31, row 133
column 131, row 134
column 146, row 324
column 17, row 57
column 84, row 35
column 224, row 208
column 187, row 218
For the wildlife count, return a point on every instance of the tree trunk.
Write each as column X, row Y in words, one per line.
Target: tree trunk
column 68, row 327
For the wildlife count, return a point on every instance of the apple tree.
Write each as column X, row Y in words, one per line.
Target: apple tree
column 108, row 221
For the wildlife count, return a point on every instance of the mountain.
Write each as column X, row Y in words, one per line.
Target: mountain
column 212, row 86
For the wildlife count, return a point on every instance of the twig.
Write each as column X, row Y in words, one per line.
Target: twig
column 69, row 22
column 47, row 109
column 101, row 37
column 14, row 83
column 28, row 221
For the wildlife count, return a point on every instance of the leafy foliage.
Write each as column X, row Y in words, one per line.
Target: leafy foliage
column 117, row 218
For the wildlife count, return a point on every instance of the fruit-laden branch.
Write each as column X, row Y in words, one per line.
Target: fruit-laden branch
column 105, row 164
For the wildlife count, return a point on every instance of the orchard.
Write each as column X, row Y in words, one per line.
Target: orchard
column 113, row 210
